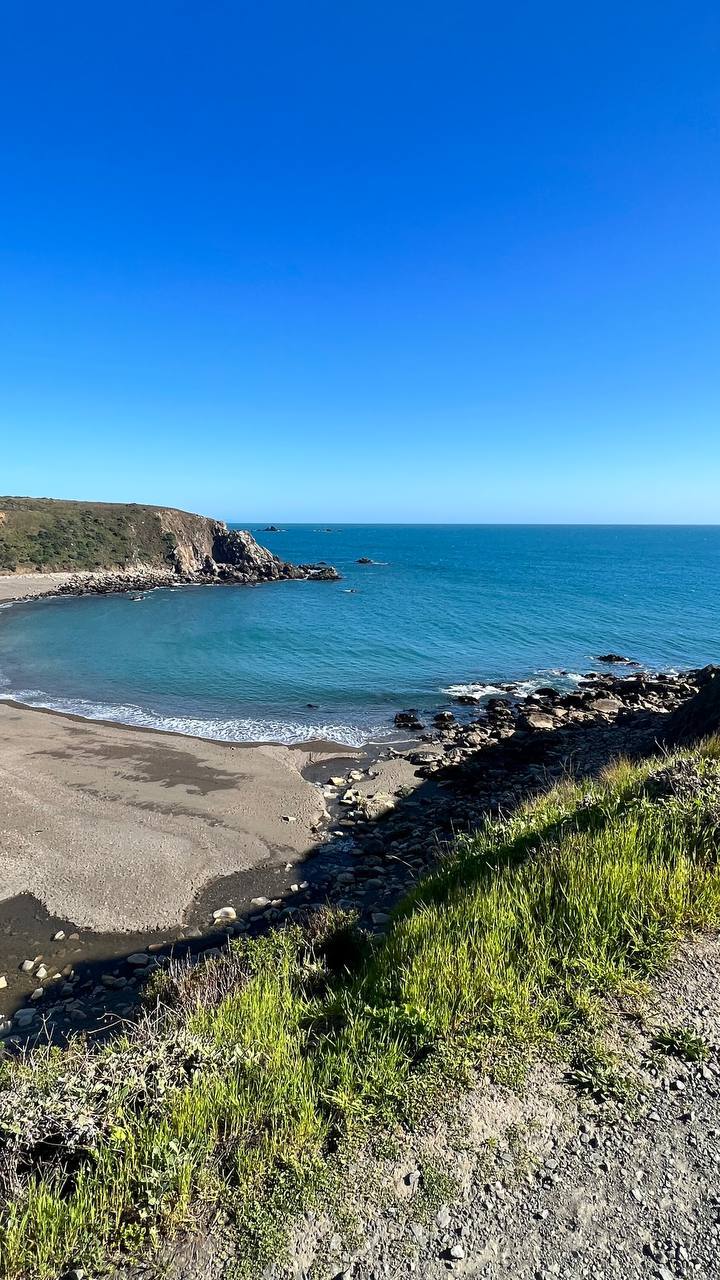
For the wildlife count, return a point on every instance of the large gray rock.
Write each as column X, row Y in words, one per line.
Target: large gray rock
column 238, row 557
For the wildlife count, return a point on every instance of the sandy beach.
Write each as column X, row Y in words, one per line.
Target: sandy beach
column 23, row 586
column 118, row 829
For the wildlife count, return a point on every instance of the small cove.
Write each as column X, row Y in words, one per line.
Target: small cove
column 441, row 610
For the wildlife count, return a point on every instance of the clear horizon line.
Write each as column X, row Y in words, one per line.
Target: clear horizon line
column 486, row 524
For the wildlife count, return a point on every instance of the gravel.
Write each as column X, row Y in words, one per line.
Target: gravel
column 548, row 1184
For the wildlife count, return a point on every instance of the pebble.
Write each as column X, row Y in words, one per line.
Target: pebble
column 59, row 936
column 225, row 913
column 138, row 959
column 3, row 982
column 260, row 902
column 27, row 966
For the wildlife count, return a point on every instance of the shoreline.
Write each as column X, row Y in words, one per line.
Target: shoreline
column 126, row 838
column 47, row 585
column 162, row 831
column 313, row 745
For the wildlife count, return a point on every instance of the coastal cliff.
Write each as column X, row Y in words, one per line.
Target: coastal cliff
column 127, row 544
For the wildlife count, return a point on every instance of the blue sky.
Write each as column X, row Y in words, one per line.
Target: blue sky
column 428, row 261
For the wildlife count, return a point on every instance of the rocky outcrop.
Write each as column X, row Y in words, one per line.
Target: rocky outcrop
column 124, row 546
column 237, row 557
column 206, row 550
column 667, row 707
column 190, row 539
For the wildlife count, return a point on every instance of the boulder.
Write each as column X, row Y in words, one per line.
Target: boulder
column 607, row 706
column 536, row 720
column 378, row 805
column 699, row 716
column 407, row 719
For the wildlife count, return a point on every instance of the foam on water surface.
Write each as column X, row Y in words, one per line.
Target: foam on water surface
column 453, row 611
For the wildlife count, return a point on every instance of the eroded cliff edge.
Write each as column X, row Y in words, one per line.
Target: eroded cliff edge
column 121, row 545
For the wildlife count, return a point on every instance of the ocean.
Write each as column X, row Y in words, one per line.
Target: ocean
column 442, row 610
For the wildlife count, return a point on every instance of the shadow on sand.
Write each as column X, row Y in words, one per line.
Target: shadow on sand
column 365, row 866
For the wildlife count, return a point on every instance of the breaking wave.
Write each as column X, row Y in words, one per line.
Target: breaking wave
column 233, row 729
column 563, row 680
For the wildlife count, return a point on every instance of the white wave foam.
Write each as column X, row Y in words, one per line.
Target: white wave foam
column 473, row 690
column 517, row 688
column 233, row 729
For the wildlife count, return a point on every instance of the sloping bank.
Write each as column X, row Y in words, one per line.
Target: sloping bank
column 258, row 1072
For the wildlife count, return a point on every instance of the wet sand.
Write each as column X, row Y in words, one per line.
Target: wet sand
column 121, row 837
column 116, row 829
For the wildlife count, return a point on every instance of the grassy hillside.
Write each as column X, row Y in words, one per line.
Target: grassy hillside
column 48, row 534
column 256, row 1066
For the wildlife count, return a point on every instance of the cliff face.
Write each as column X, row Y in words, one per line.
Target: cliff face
column 132, row 541
column 190, row 539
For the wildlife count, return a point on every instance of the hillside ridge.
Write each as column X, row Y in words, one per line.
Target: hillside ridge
column 49, row 535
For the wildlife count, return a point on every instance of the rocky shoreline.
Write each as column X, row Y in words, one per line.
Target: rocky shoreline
column 237, row 559
column 389, row 818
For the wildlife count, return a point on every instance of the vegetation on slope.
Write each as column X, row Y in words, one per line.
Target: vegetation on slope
column 256, row 1066
column 46, row 534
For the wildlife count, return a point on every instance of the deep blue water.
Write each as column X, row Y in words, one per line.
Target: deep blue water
column 445, row 607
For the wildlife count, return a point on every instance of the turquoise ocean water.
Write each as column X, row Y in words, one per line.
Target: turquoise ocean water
column 443, row 609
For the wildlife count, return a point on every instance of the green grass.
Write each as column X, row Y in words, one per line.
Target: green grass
column 231, row 1097
column 682, row 1042
column 49, row 534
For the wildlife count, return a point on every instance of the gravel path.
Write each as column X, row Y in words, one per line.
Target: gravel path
column 549, row 1182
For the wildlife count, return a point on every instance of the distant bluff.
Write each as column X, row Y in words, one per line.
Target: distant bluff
column 50, row 535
